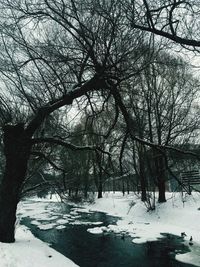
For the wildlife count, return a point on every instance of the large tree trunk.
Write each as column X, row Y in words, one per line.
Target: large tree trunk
column 17, row 148
column 142, row 179
column 100, row 186
column 161, row 178
column 100, row 189
column 161, row 191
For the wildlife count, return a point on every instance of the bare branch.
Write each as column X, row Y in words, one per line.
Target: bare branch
column 68, row 145
column 43, row 156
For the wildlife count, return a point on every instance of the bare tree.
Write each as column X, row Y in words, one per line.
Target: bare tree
column 176, row 20
column 55, row 52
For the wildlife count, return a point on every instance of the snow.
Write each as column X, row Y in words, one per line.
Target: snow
column 190, row 257
column 174, row 217
column 28, row 251
column 60, row 227
column 46, row 226
column 84, row 223
column 95, row 230
column 62, row 221
column 27, row 247
column 34, row 222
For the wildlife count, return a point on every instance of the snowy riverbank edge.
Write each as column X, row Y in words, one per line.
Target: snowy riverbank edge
column 174, row 217
column 29, row 251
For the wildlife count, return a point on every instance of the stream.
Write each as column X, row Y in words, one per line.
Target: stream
column 72, row 239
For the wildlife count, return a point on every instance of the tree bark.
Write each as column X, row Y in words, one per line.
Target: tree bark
column 123, row 187
column 142, row 177
column 160, row 169
column 127, row 184
column 17, row 148
column 100, row 190
column 161, row 191
column 143, row 187
column 100, row 187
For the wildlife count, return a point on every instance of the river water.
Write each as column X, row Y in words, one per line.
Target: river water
column 106, row 249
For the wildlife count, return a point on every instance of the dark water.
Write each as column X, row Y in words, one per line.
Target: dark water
column 108, row 250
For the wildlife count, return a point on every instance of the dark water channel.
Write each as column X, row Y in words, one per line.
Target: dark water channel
column 107, row 250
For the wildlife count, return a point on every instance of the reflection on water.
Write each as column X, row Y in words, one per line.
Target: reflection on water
column 108, row 250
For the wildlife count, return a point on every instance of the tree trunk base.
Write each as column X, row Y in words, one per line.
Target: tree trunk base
column 17, row 146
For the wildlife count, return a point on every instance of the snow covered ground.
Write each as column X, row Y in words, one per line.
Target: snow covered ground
column 29, row 251
column 174, row 217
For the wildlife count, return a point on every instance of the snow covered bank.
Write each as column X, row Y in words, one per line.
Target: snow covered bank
column 29, row 251
column 174, row 217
